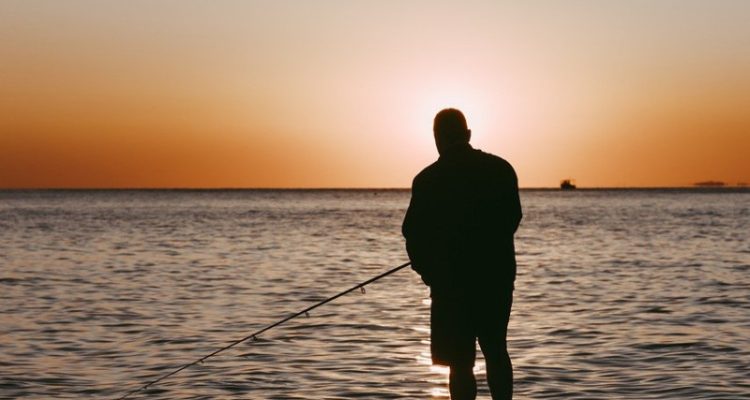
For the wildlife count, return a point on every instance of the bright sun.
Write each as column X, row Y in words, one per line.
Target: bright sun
column 466, row 98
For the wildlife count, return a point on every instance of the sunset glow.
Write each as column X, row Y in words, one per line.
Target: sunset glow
column 342, row 94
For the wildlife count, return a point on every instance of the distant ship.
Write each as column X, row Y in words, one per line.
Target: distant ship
column 567, row 184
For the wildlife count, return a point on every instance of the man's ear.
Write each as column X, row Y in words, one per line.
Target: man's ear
column 468, row 135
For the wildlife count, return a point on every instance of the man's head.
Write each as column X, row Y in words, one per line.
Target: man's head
column 450, row 128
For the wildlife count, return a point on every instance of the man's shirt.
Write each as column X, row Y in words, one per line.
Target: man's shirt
column 460, row 223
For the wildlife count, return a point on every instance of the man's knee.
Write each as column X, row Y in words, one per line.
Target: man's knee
column 461, row 370
column 493, row 347
column 463, row 385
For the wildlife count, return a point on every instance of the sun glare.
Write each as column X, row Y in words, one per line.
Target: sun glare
column 467, row 98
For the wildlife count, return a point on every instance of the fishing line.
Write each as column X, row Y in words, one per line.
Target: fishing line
column 254, row 335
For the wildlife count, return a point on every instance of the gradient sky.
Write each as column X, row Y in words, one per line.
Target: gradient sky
column 342, row 93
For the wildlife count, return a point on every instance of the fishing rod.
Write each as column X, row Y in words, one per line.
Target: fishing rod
column 254, row 335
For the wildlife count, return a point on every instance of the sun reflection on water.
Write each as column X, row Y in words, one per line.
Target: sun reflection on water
column 439, row 393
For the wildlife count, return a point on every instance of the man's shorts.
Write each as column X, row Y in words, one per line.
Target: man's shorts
column 455, row 324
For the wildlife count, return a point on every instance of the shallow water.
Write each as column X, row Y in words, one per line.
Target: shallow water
column 620, row 294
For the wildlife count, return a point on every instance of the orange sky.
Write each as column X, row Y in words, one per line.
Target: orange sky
column 342, row 93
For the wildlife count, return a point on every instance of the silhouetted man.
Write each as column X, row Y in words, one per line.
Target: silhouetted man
column 459, row 231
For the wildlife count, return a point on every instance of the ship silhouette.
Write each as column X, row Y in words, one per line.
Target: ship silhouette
column 567, row 184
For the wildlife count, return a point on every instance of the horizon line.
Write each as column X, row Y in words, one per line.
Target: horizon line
column 321, row 188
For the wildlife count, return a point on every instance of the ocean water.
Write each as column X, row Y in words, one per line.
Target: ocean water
column 621, row 294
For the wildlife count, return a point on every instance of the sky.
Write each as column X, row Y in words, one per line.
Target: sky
column 324, row 94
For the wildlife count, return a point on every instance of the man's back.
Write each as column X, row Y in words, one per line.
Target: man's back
column 460, row 223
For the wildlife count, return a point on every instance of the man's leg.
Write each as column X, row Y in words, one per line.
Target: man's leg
column 462, row 384
column 499, row 367
column 453, row 343
column 493, row 342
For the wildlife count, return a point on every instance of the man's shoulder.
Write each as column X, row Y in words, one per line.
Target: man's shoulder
column 427, row 173
column 493, row 161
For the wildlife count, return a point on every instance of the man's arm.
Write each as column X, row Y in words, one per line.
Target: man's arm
column 515, row 204
column 415, row 232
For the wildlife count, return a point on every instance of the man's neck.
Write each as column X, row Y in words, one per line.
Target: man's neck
column 455, row 148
